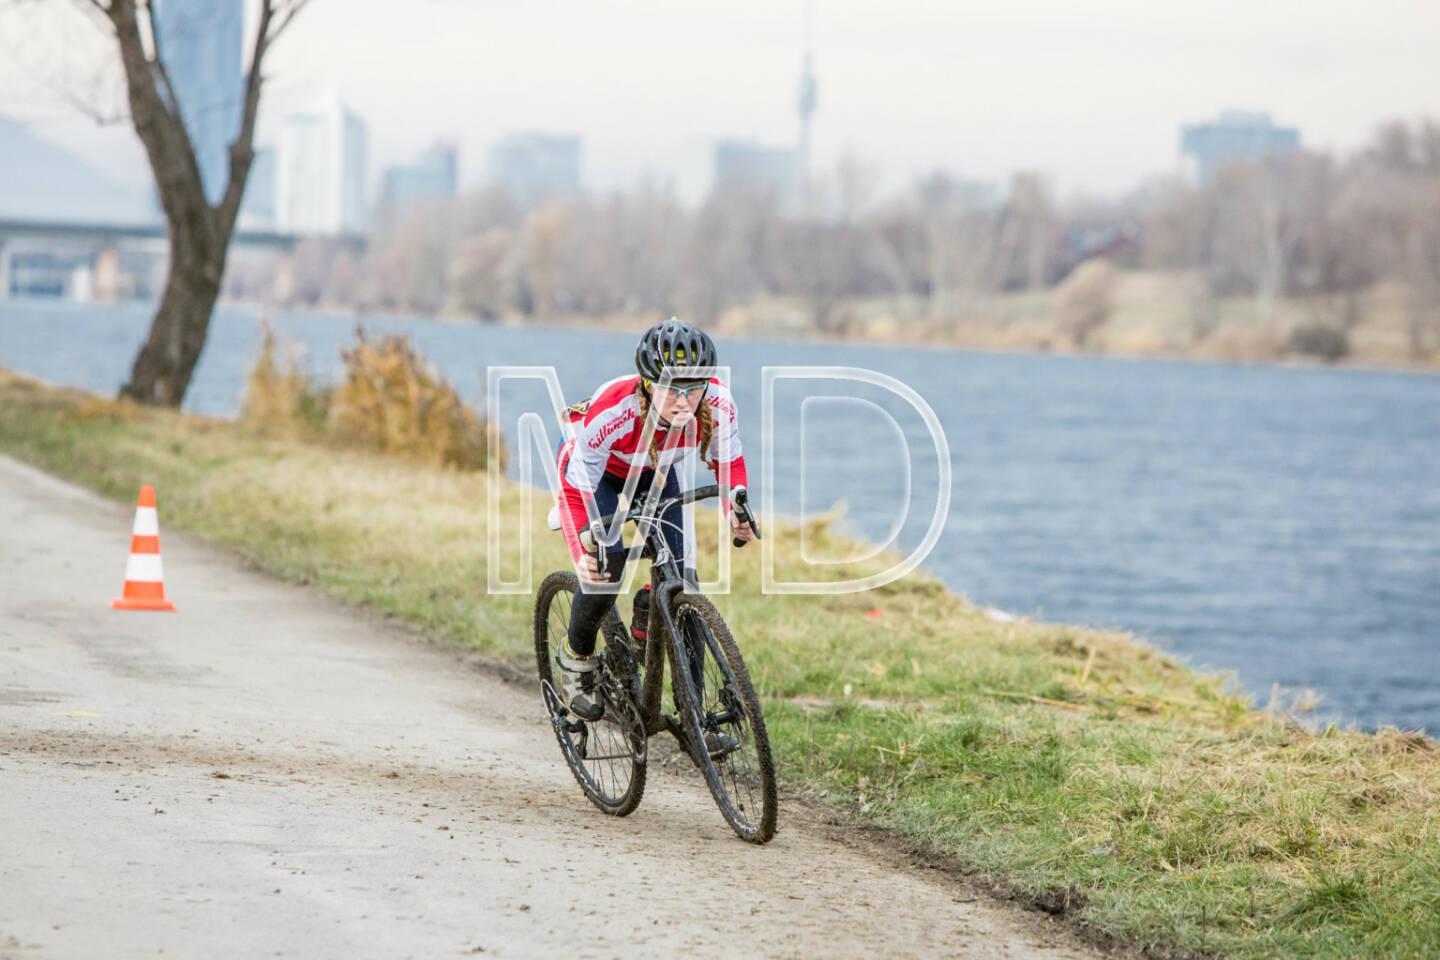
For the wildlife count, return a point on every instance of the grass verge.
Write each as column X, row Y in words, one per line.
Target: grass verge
column 1090, row 774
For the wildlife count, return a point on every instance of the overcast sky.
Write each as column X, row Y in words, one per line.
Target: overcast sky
column 1090, row 92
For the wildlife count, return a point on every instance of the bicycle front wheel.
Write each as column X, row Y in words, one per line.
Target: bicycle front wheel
column 607, row 756
column 722, row 719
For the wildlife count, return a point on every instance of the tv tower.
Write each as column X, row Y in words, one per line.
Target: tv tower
column 806, row 102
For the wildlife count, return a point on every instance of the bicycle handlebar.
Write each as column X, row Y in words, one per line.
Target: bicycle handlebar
column 590, row 542
column 590, row 539
column 741, row 498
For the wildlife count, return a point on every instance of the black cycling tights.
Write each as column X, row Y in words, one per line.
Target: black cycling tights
column 589, row 609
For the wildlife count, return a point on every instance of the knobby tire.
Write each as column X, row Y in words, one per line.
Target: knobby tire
column 608, row 756
column 743, row 781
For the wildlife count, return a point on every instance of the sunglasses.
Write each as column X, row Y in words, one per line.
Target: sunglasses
column 692, row 392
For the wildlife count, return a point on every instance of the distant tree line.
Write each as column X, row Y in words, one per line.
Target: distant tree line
column 1316, row 226
column 1304, row 225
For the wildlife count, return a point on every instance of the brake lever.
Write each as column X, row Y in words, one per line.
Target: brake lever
column 741, row 498
column 590, row 541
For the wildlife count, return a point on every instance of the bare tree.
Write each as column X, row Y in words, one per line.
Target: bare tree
column 726, row 260
column 961, row 235
column 481, row 278
column 647, row 229
column 1421, row 269
column 1257, row 230
column 1177, row 224
column 542, row 247
column 1391, row 210
column 1034, row 211
column 199, row 231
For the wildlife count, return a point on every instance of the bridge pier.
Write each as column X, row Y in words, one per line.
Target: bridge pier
column 106, row 286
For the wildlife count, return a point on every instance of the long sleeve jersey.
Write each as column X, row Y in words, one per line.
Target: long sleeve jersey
column 607, row 440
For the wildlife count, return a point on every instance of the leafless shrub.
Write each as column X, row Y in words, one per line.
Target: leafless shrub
column 1084, row 299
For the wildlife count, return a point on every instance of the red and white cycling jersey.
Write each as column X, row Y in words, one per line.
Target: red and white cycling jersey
column 607, row 440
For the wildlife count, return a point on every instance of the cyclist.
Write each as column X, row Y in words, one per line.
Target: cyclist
column 690, row 414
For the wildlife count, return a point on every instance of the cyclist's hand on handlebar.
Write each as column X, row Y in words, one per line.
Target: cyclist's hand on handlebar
column 588, row 569
column 741, row 531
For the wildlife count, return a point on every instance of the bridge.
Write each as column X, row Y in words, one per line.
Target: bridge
column 101, row 260
column 113, row 232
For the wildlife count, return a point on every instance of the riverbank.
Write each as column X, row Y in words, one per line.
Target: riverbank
column 1132, row 313
column 1083, row 771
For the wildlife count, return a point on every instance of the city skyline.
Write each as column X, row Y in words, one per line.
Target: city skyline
column 204, row 43
column 1092, row 98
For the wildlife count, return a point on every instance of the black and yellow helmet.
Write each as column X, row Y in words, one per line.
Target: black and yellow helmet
column 676, row 344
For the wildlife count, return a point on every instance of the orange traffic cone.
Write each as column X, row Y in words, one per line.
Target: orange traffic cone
column 144, row 577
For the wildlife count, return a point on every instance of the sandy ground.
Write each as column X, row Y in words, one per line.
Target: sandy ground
column 266, row 773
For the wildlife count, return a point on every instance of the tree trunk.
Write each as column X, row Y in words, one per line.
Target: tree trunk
column 198, row 246
column 199, row 232
column 162, row 369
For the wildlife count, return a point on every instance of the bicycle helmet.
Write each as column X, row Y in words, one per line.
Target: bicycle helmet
column 673, row 343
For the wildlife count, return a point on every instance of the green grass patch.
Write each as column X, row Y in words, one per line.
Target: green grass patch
column 1087, row 771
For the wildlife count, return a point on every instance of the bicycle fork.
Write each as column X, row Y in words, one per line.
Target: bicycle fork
column 691, row 653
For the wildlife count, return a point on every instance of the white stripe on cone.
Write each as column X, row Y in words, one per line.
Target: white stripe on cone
column 144, row 568
column 147, row 522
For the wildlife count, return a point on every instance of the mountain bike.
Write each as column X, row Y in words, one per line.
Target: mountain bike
column 717, row 718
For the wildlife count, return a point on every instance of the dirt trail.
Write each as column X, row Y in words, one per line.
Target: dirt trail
column 266, row 773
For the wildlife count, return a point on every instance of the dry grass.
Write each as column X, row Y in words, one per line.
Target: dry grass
column 280, row 400
column 391, row 400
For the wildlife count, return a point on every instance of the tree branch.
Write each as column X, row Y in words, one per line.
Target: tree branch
column 170, row 100
column 94, row 9
column 242, row 151
column 83, row 105
column 242, row 147
column 65, row 89
column 286, row 15
column 178, row 131
column 172, row 159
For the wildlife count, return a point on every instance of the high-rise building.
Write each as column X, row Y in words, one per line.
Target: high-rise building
column 320, row 170
column 744, row 163
column 431, row 177
column 202, row 42
column 537, row 166
column 1237, row 135
column 257, row 209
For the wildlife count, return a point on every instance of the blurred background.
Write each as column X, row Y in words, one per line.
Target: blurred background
column 993, row 202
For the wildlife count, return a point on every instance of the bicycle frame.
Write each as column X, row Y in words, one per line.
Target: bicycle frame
column 666, row 579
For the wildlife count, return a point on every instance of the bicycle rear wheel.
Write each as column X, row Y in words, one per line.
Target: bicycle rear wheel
column 607, row 756
column 740, row 773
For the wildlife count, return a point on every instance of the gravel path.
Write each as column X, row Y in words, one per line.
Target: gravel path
column 267, row 773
